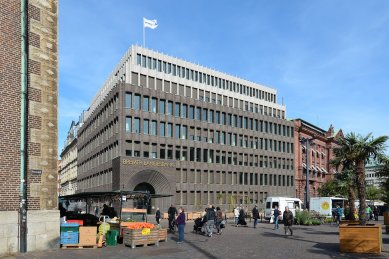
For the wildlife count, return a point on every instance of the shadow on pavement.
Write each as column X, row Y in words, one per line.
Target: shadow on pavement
column 200, row 250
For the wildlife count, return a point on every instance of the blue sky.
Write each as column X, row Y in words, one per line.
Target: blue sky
column 328, row 60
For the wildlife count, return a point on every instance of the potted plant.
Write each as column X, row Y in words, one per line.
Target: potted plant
column 352, row 153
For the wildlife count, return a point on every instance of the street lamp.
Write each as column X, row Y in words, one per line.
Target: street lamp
column 307, row 142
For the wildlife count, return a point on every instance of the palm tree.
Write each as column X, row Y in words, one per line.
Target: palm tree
column 355, row 150
column 347, row 182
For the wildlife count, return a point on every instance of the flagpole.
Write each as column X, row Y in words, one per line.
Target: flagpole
column 144, row 37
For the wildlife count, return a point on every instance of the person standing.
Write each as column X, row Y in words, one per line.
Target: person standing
column 210, row 218
column 181, row 225
column 158, row 216
column 219, row 219
column 236, row 215
column 172, row 213
column 255, row 215
column 276, row 214
column 288, row 221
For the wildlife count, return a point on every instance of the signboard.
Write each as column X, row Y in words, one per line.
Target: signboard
column 147, row 163
column 36, row 171
column 146, row 231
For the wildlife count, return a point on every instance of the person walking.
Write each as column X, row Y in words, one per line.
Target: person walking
column 339, row 213
column 241, row 219
column 218, row 220
column 255, row 215
column 158, row 215
column 210, row 218
column 236, row 215
column 376, row 213
column 181, row 225
column 368, row 212
column 276, row 214
column 172, row 213
column 288, row 221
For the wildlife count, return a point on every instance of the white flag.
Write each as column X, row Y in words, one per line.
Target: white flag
column 150, row 23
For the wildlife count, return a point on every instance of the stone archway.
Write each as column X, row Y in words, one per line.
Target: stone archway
column 148, row 180
column 144, row 187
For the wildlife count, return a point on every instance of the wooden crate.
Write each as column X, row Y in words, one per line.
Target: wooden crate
column 386, row 218
column 162, row 234
column 360, row 239
column 134, row 237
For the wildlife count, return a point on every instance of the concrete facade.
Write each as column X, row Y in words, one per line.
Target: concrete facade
column 168, row 126
column 320, row 155
column 41, row 121
column 68, row 163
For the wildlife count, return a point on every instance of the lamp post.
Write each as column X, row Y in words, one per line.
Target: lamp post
column 307, row 142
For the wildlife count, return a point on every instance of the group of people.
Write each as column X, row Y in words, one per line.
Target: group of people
column 370, row 213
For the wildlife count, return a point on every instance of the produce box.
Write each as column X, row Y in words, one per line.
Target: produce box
column 162, row 234
column 69, row 227
column 144, row 237
column 69, row 238
column 88, row 231
column 79, row 221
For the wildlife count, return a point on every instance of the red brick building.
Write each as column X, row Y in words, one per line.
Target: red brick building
column 320, row 154
column 34, row 21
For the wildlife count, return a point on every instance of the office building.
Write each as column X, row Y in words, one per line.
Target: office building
column 168, row 126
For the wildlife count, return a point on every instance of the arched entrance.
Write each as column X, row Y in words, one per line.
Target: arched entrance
column 140, row 204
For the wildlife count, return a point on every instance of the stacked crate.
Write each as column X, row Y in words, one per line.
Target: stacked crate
column 69, row 233
column 386, row 221
column 88, row 236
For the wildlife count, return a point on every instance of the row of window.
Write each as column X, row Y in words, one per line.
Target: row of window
column 165, row 129
column 196, row 76
column 203, row 155
column 192, row 112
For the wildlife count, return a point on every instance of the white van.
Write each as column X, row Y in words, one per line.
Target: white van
column 281, row 202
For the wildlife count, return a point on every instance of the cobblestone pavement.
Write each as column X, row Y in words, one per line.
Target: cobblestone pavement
column 242, row 242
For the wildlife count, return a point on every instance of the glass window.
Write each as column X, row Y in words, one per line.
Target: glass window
column 182, row 72
column 154, row 63
column 223, row 118
column 128, row 101
column 145, row 103
column 137, row 102
column 177, row 129
column 191, row 112
column 170, row 108
column 162, row 106
column 149, row 62
column 164, row 67
column 217, row 137
column 223, row 138
column 217, row 117
column 159, row 65
column 211, row 115
column 187, row 73
column 128, row 124
column 177, row 110
column 136, row 128
column 198, row 113
column 178, row 71
column 184, row 111
column 174, row 70
column 138, row 59
column 145, row 126
column 169, row 68
column 153, row 130
column 143, row 61
column 184, row 132
column 162, row 129
column 154, row 105
column 205, row 114
column 170, row 130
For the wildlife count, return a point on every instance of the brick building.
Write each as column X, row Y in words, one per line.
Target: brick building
column 320, row 154
column 37, row 26
column 167, row 126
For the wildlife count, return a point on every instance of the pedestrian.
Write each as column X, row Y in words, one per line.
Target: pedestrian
column 172, row 213
column 236, row 215
column 368, row 212
column 210, row 219
column 219, row 219
column 157, row 215
column 255, row 215
column 288, row 221
column 339, row 213
column 181, row 225
column 276, row 214
column 241, row 219
column 376, row 213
